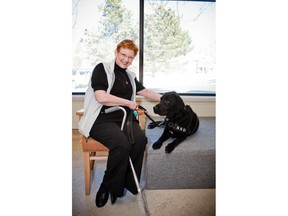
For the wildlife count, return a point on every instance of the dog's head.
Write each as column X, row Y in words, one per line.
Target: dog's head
column 170, row 103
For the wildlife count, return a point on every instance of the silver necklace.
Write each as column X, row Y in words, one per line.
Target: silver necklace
column 124, row 78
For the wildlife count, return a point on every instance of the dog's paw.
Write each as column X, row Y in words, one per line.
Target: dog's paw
column 169, row 148
column 156, row 145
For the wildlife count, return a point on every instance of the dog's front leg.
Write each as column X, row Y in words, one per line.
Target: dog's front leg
column 165, row 135
column 171, row 146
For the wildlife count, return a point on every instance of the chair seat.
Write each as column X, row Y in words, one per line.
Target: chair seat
column 91, row 145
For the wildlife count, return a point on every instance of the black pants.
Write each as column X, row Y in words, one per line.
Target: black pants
column 118, row 174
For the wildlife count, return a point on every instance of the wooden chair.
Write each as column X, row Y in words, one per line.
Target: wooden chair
column 90, row 147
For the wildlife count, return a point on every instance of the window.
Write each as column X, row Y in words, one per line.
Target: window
column 178, row 42
column 97, row 27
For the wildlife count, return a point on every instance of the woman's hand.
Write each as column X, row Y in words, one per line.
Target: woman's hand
column 133, row 105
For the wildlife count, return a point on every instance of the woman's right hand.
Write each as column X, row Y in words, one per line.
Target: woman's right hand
column 133, row 105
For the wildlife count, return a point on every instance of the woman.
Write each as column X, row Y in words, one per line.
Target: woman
column 112, row 84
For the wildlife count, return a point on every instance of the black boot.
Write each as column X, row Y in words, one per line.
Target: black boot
column 102, row 196
column 113, row 198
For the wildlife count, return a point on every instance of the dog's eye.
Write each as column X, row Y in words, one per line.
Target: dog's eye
column 167, row 102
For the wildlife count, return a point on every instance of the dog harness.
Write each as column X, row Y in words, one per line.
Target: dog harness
column 176, row 127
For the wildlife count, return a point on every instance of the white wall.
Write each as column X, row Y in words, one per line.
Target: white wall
column 202, row 105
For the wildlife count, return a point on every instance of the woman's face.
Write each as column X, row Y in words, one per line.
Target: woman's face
column 124, row 57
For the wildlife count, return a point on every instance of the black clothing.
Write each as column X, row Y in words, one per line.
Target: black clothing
column 121, row 88
column 118, row 174
column 106, row 130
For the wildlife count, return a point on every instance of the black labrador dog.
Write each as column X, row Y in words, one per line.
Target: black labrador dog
column 180, row 121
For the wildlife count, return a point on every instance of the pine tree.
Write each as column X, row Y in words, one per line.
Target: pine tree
column 164, row 38
column 116, row 24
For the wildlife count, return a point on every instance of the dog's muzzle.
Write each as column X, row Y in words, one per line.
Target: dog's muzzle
column 156, row 109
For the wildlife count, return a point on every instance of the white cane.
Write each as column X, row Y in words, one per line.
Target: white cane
column 112, row 109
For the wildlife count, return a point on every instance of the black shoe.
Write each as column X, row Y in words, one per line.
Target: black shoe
column 101, row 196
column 113, row 198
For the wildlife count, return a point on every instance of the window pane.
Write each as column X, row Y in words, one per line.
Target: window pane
column 97, row 27
column 179, row 46
column 179, row 41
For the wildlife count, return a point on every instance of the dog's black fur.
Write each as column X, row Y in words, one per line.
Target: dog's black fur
column 180, row 121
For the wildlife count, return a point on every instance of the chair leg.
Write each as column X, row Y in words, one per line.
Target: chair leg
column 87, row 172
column 92, row 161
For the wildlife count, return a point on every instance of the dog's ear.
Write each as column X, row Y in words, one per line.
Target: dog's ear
column 179, row 105
column 171, row 93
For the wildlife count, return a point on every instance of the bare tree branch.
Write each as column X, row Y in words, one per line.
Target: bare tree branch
column 75, row 12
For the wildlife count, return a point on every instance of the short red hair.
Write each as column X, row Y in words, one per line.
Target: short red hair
column 127, row 44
